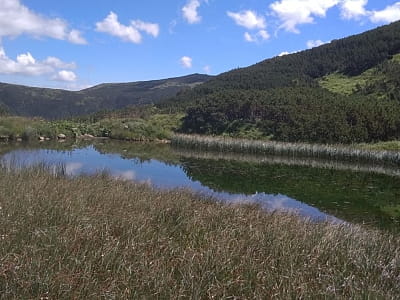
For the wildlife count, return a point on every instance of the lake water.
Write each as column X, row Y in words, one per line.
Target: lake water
column 337, row 194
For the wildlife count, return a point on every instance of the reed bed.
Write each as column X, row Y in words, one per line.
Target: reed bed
column 291, row 161
column 331, row 152
column 95, row 237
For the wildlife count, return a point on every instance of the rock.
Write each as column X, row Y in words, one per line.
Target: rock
column 61, row 136
column 47, row 139
column 19, row 139
column 126, row 127
column 41, row 138
column 87, row 136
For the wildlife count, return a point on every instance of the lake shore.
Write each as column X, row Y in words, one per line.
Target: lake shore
column 98, row 237
column 353, row 153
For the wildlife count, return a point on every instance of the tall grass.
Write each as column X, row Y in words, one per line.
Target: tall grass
column 334, row 152
column 291, row 161
column 95, row 237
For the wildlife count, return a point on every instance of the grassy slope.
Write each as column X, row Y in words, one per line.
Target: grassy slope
column 96, row 237
column 347, row 85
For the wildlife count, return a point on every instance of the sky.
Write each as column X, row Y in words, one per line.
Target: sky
column 76, row 44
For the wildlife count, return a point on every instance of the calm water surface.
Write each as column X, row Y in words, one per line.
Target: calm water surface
column 317, row 193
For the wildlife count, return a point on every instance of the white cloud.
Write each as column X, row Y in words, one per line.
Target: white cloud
column 264, row 35
column 296, row 12
column 207, row 69
column 112, row 26
column 58, row 63
column 64, row 75
column 186, row 62
column 131, row 33
column 125, row 175
column 390, row 14
column 17, row 19
column 75, row 37
column 316, row 43
column 248, row 19
column 249, row 38
column 261, row 35
column 73, row 168
column 353, row 9
column 26, row 64
column 283, row 53
column 150, row 28
column 190, row 13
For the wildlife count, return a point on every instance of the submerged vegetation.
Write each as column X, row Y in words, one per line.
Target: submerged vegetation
column 97, row 237
column 334, row 152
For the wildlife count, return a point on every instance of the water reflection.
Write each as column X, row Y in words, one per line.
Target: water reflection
column 157, row 173
column 320, row 192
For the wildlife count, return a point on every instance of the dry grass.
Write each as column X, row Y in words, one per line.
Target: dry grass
column 95, row 237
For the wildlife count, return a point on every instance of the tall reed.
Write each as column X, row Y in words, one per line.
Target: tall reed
column 332, row 152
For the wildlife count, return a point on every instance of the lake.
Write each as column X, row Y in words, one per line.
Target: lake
column 318, row 190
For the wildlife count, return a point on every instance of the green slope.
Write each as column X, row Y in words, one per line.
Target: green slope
column 345, row 91
column 53, row 103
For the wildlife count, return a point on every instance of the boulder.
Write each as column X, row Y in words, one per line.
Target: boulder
column 61, row 136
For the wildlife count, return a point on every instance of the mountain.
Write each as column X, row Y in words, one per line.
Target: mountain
column 54, row 103
column 345, row 91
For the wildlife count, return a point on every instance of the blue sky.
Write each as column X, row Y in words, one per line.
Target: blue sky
column 75, row 44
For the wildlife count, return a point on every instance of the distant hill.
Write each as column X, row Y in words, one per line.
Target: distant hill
column 54, row 103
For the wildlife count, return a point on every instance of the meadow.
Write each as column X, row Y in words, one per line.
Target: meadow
column 97, row 237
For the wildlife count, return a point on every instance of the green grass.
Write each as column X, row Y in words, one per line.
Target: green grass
column 342, row 84
column 149, row 128
column 389, row 146
column 95, row 237
column 346, row 85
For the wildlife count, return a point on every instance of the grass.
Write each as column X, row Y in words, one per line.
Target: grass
column 346, row 85
column 149, row 128
column 389, row 146
column 95, row 237
column 333, row 152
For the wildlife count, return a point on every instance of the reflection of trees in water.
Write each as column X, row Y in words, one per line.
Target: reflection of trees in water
column 360, row 197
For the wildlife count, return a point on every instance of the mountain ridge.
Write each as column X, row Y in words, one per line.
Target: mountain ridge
column 58, row 103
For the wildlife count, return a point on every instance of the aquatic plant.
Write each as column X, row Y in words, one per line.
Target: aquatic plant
column 332, row 152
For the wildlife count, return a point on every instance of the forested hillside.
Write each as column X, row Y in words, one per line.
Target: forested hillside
column 53, row 103
column 345, row 91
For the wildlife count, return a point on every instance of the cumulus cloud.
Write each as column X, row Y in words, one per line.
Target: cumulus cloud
column 26, row 64
column 186, row 62
column 248, row 19
column 283, row 53
column 17, row 19
column 207, row 69
column 75, row 37
column 261, row 35
column 296, row 12
column 316, row 43
column 190, row 13
column 130, row 33
column 353, row 9
column 149, row 28
column 58, row 63
column 64, row 75
column 390, row 14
